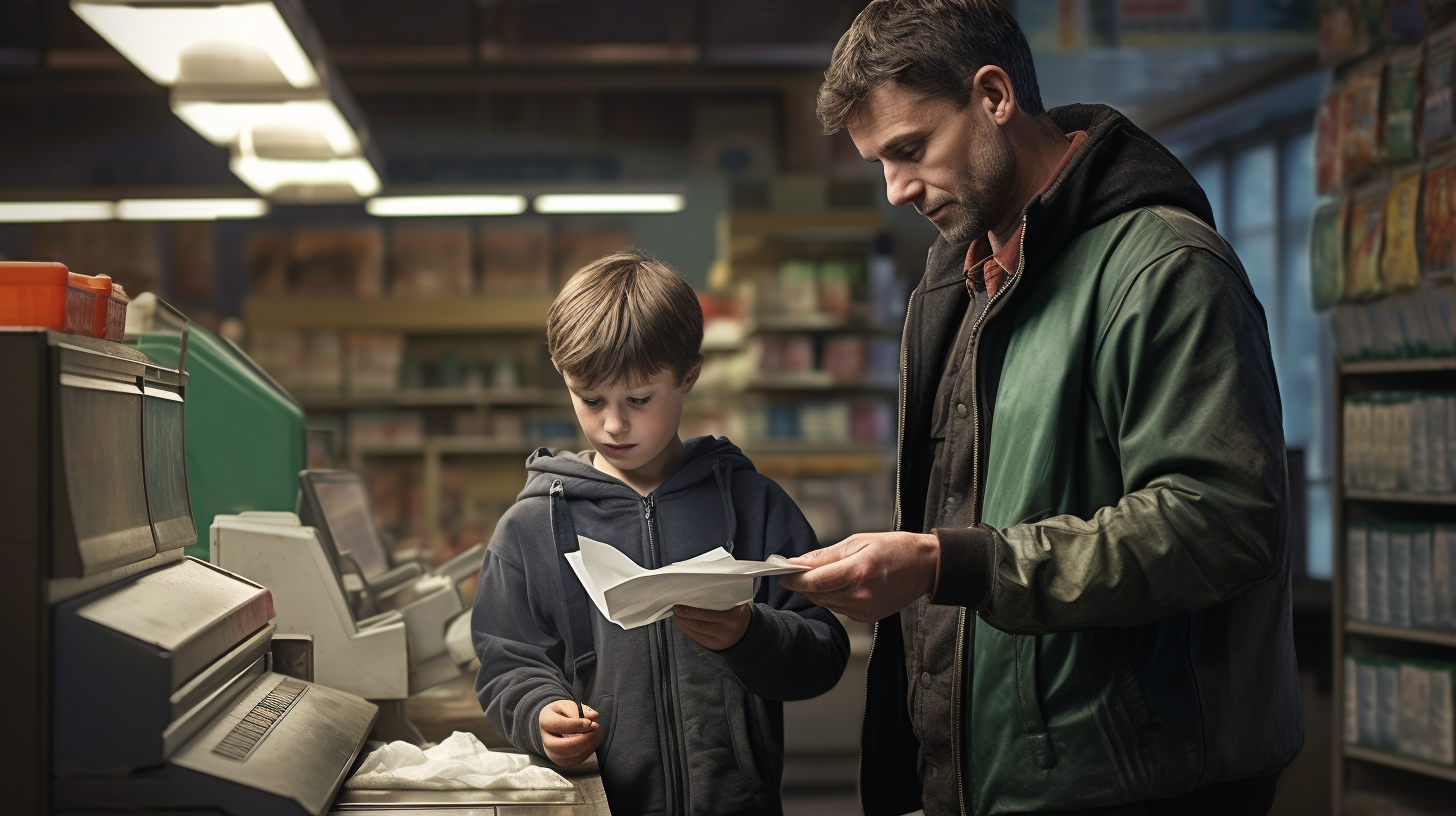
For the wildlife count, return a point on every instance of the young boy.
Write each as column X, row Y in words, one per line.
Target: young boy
column 685, row 715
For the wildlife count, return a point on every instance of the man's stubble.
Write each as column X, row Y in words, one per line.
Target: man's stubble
column 985, row 186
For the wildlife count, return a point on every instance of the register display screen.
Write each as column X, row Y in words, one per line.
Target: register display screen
column 345, row 506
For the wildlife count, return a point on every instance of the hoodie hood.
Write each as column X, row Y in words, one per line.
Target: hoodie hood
column 1118, row 168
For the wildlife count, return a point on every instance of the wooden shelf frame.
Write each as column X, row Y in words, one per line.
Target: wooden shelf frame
column 440, row 397
column 1341, row 501
column 475, row 314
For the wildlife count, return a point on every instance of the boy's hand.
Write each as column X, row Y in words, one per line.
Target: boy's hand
column 716, row 629
column 569, row 739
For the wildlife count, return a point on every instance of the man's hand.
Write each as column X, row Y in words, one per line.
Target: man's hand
column 569, row 739
column 711, row 627
column 868, row 575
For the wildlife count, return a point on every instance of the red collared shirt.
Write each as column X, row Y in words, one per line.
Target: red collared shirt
column 982, row 267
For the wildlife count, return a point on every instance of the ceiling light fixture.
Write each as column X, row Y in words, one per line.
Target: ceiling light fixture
column 592, row 203
column 446, row 205
column 189, row 209
column 218, row 41
column 34, row 212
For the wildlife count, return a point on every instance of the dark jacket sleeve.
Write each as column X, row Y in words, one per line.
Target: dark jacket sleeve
column 520, row 652
column 793, row 650
column 1185, row 384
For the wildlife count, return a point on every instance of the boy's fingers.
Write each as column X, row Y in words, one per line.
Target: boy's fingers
column 706, row 615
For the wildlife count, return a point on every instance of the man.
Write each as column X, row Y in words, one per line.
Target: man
column 1085, row 605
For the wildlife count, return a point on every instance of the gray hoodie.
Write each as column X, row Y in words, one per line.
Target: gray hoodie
column 685, row 729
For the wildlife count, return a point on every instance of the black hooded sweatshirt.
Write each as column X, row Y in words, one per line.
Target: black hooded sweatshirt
column 685, row 729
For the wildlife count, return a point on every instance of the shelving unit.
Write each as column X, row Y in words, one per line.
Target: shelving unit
column 1358, row 772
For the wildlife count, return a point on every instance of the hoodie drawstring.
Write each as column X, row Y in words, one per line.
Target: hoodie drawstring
column 581, row 656
column 723, row 472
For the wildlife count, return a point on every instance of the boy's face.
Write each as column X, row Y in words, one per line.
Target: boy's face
column 633, row 426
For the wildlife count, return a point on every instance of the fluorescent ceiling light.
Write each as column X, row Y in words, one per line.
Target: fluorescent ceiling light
column 30, row 212
column 564, row 203
column 231, row 42
column 267, row 176
column 300, row 120
column 189, row 209
column 447, row 205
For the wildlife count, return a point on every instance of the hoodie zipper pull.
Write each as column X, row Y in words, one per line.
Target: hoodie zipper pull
column 647, row 507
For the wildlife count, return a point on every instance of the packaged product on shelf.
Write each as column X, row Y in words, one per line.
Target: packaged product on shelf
column 1439, row 114
column 1442, row 718
column 1402, row 96
column 384, row 429
column 267, row 257
column 515, row 260
column 1405, row 20
column 1413, row 711
column 1367, row 233
column 1400, row 576
column 1341, row 32
column 373, row 360
column 1400, row 263
column 1418, row 478
column 1327, row 176
column 1357, row 573
column 1443, row 575
column 838, row 279
column 1438, row 473
column 844, row 359
column 1360, row 150
column 1379, row 575
column 1439, row 218
column 1422, row 585
column 799, row 287
column 1387, row 698
column 430, row 261
column 1366, row 704
column 1327, row 255
column 339, row 261
column 1351, row 730
column 194, row 259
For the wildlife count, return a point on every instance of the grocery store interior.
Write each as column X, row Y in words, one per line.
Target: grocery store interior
column 326, row 234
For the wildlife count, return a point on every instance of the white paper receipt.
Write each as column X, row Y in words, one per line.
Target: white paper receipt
column 632, row 596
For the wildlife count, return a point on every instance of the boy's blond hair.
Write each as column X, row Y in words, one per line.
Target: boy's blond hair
column 623, row 318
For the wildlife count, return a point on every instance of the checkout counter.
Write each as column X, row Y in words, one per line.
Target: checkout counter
column 161, row 683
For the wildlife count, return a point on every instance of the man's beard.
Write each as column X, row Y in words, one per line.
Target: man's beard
column 985, row 188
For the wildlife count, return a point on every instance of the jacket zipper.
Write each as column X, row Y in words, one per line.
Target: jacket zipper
column 659, row 636
column 962, row 630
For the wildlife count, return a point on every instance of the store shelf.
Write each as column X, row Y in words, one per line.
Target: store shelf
column 815, row 447
column 485, row 446
column 1397, row 761
column 1400, row 633
column 1405, row 366
column 752, row 240
column 790, row 465
column 430, row 397
column 464, row 314
column 813, row 322
column 809, row 381
column 1394, row 497
column 388, row 449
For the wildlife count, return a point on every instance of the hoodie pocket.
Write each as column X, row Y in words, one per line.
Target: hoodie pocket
column 607, row 723
column 736, row 713
column 1033, row 721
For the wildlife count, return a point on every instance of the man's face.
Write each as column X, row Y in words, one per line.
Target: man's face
column 954, row 165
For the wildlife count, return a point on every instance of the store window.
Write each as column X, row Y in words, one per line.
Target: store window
column 1261, row 188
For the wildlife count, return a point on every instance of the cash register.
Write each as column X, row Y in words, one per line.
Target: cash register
column 141, row 680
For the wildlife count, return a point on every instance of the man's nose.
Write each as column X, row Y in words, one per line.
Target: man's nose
column 901, row 187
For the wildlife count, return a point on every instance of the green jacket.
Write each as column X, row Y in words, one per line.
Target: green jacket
column 1124, row 568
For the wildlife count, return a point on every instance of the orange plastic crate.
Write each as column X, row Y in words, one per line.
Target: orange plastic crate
column 33, row 293
column 116, row 313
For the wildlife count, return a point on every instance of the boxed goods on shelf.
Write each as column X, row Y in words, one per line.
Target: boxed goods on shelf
column 1400, row 706
column 1401, row 575
column 1399, row 441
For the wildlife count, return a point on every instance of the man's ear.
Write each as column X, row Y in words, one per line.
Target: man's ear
column 991, row 93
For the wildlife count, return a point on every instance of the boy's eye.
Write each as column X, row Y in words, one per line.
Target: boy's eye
column 638, row 400
column 590, row 403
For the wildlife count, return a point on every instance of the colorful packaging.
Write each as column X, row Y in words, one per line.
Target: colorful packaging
column 1367, row 233
column 1439, row 117
column 1360, row 151
column 1439, row 219
column 1327, row 141
column 1400, row 263
column 1401, row 100
column 1327, row 255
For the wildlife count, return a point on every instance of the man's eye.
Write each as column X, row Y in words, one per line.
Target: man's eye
column 909, row 153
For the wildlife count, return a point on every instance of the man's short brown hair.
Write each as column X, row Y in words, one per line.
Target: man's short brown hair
column 624, row 318
column 934, row 47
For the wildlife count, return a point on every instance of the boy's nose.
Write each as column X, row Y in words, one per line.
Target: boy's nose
column 614, row 423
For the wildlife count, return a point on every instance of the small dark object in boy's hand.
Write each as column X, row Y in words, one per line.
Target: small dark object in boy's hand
column 713, row 628
column 569, row 739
